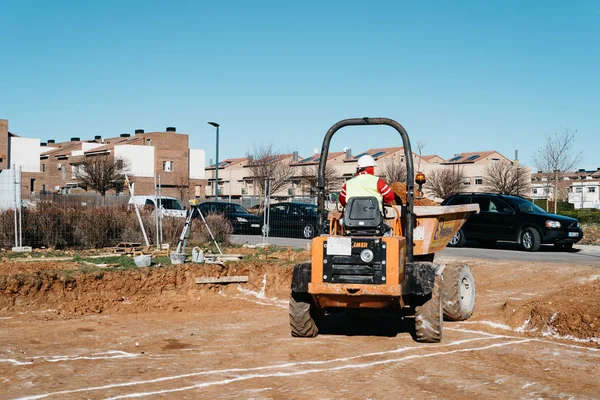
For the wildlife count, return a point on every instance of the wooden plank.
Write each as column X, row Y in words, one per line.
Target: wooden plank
column 222, row 279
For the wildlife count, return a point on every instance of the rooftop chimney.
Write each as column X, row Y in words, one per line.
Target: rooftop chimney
column 137, row 131
column 51, row 141
column 171, row 129
column 348, row 154
column 581, row 169
column 74, row 139
column 97, row 137
column 125, row 135
column 295, row 156
column 43, row 144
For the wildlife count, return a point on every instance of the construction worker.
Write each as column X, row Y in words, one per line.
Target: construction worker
column 365, row 183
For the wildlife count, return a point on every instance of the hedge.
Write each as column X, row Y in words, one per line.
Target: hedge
column 583, row 216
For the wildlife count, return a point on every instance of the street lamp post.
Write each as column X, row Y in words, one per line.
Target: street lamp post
column 217, row 164
column 582, row 190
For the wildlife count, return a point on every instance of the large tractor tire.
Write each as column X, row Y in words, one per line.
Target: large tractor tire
column 429, row 320
column 304, row 315
column 458, row 295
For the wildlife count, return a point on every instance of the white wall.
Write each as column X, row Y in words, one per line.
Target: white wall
column 24, row 153
column 7, row 189
column 140, row 159
column 197, row 158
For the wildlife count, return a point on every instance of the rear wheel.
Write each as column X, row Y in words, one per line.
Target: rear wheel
column 308, row 231
column 458, row 240
column 530, row 240
column 458, row 295
column 428, row 316
column 304, row 315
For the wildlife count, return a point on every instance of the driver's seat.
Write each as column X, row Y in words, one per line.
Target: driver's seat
column 363, row 217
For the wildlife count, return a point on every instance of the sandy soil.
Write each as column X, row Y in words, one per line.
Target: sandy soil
column 154, row 332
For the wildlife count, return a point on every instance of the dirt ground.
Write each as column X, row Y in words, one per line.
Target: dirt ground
column 153, row 332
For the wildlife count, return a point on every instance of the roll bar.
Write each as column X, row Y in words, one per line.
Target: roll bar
column 410, row 187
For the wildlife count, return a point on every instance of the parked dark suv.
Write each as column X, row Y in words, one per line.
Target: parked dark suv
column 293, row 219
column 512, row 218
column 242, row 221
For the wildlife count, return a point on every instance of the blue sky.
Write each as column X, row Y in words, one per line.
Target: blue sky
column 459, row 75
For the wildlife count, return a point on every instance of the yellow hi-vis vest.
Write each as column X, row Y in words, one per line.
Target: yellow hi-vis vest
column 364, row 185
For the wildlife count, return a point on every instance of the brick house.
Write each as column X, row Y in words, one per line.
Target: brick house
column 51, row 167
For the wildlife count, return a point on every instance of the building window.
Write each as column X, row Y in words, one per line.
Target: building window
column 535, row 191
column 478, row 180
column 64, row 172
column 168, row 166
column 43, row 167
column 591, row 190
column 495, row 160
column 74, row 170
column 466, row 181
column 578, row 190
column 119, row 164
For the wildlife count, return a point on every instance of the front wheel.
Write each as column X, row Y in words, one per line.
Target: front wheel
column 308, row 231
column 458, row 240
column 530, row 240
column 429, row 320
column 304, row 315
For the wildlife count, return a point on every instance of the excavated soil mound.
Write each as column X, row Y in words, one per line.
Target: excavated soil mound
column 400, row 189
column 61, row 290
column 573, row 313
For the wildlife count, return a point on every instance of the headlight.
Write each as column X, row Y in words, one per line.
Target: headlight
column 366, row 255
column 578, row 224
column 552, row 224
column 240, row 219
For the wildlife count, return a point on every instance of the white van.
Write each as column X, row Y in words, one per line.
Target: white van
column 170, row 206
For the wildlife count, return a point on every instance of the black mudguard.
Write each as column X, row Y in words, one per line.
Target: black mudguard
column 301, row 277
column 419, row 278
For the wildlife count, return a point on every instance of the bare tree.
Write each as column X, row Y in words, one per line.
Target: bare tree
column 420, row 147
column 394, row 171
column 182, row 184
column 267, row 165
column 557, row 156
column 445, row 181
column 101, row 173
column 507, row 178
column 310, row 173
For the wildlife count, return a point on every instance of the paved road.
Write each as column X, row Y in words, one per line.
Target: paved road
column 581, row 254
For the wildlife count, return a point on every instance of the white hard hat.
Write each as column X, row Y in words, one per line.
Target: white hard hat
column 365, row 161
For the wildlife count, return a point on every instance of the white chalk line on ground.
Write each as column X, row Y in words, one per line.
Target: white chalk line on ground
column 553, row 342
column 306, row 372
column 107, row 355
column 549, row 332
column 275, row 366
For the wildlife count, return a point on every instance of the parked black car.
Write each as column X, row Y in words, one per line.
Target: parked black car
column 512, row 218
column 242, row 221
column 293, row 219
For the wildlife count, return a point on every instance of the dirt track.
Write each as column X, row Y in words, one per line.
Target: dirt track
column 155, row 333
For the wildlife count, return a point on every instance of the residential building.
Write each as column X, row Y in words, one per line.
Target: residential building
column 473, row 165
column 52, row 167
column 584, row 190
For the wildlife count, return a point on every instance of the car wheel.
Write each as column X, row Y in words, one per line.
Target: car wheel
column 457, row 240
column 308, row 232
column 530, row 240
